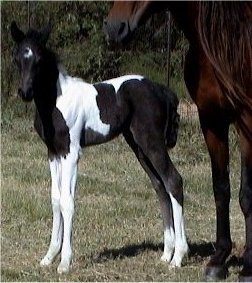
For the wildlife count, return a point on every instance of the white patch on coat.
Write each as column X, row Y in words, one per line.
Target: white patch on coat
column 28, row 53
column 79, row 108
column 117, row 82
column 78, row 104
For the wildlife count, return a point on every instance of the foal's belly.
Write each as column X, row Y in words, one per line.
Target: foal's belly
column 91, row 137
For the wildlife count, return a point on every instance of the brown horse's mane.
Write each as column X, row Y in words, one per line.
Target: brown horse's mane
column 225, row 32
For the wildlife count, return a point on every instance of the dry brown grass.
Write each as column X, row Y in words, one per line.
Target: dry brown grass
column 117, row 225
column 187, row 110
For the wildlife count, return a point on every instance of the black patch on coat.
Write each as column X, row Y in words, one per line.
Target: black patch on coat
column 91, row 137
column 56, row 136
column 172, row 121
column 169, row 104
column 113, row 108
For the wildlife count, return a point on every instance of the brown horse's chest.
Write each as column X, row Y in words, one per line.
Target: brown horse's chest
column 203, row 85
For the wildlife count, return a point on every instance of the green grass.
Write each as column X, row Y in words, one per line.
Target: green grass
column 117, row 231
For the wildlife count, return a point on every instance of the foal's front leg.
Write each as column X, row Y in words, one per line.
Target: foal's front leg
column 68, row 182
column 56, row 237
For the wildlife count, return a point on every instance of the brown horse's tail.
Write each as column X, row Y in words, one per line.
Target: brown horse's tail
column 225, row 33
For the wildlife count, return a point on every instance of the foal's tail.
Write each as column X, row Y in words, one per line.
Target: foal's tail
column 172, row 119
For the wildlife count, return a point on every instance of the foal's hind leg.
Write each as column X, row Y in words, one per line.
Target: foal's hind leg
column 246, row 205
column 164, row 199
column 173, row 186
column 152, row 144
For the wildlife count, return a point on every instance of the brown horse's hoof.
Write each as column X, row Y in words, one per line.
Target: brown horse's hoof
column 215, row 273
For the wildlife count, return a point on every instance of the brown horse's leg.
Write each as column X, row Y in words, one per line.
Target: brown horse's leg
column 215, row 131
column 205, row 91
column 246, row 205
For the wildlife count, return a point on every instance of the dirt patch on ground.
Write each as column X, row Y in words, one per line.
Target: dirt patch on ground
column 187, row 110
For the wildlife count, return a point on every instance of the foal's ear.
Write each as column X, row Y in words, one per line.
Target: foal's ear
column 45, row 32
column 16, row 33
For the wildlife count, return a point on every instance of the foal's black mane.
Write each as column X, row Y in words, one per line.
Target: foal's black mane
column 48, row 61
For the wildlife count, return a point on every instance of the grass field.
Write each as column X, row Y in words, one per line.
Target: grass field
column 117, row 232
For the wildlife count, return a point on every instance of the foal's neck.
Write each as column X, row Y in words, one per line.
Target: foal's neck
column 45, row 92
column 45, row 87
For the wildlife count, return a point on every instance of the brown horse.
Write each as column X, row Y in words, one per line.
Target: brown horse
column 218, row 75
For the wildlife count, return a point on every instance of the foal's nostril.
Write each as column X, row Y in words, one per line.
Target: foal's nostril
column 121, row 28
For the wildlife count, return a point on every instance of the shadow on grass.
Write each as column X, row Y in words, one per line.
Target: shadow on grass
column 205, row 249
column 199, row 250
column 202, row 249
column 127, row 251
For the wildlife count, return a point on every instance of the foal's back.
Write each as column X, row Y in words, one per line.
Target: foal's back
column 103, row 110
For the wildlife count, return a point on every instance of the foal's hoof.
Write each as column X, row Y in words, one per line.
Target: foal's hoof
column 45, row 261
column 63, row 268
column 166, row 257
column 215, row 273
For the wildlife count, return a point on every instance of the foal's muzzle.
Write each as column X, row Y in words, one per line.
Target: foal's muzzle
column 26, row 95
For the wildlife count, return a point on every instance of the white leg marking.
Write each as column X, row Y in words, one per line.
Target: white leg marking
column 169, row 244
column 56, row 236
column 169, row 237
column 181, row 247
column 68, row 181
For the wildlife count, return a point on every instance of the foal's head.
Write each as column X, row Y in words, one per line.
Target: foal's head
column 29, row 57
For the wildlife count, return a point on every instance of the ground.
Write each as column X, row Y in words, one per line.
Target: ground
column 117, row 231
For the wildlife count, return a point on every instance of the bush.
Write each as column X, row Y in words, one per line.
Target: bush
column 78, row 39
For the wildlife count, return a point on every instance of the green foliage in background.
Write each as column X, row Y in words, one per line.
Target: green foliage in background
column 77, row 37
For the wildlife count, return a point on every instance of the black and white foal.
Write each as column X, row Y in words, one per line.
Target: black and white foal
column 71, row 114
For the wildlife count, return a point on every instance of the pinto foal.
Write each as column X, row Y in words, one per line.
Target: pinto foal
column 71, row 114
